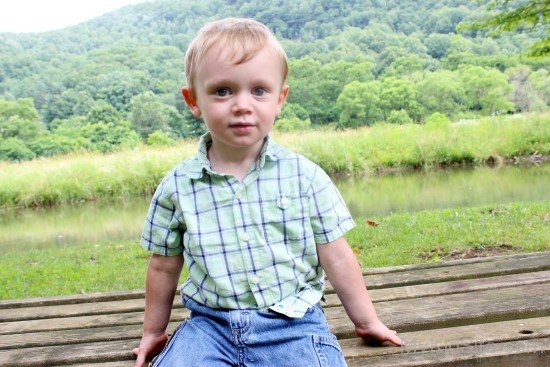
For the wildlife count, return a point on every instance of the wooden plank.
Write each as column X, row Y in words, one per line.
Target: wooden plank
column 80, row 322
column 404, row 315
column 451, row 338
column 85, row 309
column 532, row 353
column 503, row 266
column 73, row 336
column 105, row 364
column 453, row 310
column 377, row 295
column 72, row 299
column 452, row 287
column 447, row 263
column 118, row 350
column 525, row 258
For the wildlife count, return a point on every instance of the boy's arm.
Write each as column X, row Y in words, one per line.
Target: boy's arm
column 160, row 287
column 343, row 271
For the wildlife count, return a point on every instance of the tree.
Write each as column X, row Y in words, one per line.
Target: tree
column 19, row 119
column 441, row 91
column 399, row 94
column 359, row 104
column 13, row 149
column 148, row 114
column 506, row 16
column 437, row 45
column 486, row 90
column 108, row 137
column 102, row 111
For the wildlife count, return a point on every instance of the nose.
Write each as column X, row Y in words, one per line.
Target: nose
column 242, row 103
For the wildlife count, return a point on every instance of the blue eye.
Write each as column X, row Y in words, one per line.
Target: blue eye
column 259, row 91
column 222, row 92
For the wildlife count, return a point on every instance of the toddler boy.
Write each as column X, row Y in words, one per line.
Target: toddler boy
column 257, row 225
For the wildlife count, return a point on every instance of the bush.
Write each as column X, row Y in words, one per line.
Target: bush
column 292, row 124
column 437, row 119
column 50, row 145
column 13, row 149
column 159, row 138
column 108, row 137
column 399, row 117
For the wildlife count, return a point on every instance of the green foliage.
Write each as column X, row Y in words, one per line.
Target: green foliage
column 486, row 90
column 103, row 112
column 19, row 119
column 51, row 144
column 120, row 67
column 292, row 123
column 13, row 149
column 442, row 91
column 399, row 117
column 108, row 137
column 359, row 104
column 437, row 120
column 159, row 138
column 148, row 114
column 399, row 94
column 517, row 15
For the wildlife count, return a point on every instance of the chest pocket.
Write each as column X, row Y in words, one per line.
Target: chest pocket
column 286, row 216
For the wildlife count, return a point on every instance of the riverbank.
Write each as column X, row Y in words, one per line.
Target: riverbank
column 92, row 177
column 396, row 239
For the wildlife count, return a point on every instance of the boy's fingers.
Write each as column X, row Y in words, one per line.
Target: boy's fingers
column 140, row 361
column 394, row 339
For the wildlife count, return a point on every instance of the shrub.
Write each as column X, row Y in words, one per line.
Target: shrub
column 399, row 117
column 159, row 138
column 13, row 149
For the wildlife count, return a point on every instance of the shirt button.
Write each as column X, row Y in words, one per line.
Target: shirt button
column 284, row 201
column 238, row 195
column 245, row 237
column 255, row 279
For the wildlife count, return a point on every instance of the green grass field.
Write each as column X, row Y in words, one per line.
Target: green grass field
column 91, row 177
column 398, row 239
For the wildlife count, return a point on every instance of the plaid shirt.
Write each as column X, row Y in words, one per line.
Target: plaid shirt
column 248, row 244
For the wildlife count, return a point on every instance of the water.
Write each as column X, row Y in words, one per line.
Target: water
column 366, row 196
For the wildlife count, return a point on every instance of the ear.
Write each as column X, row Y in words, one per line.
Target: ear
column 283, row 94
column 191, row 101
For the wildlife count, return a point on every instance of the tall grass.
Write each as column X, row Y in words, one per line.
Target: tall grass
column 416, row 146
column 75, row 178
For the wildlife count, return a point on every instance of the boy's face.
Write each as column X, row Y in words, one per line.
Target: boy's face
column 238, row 103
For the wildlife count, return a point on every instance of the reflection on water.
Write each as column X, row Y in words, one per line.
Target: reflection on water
column 366, row 196
column 444, row 189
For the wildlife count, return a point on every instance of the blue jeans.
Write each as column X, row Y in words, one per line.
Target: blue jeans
column 251, row 338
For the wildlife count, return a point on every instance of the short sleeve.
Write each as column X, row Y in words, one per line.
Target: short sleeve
column 163, row 231
column 330, row 218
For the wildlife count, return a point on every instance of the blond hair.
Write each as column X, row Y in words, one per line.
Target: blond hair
column 242, row 38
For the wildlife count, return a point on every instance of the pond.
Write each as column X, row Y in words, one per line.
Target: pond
column 366, row 196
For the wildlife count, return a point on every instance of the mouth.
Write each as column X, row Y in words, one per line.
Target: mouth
column 241, row 126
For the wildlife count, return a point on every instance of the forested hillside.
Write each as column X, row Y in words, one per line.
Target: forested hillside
column 114, row 81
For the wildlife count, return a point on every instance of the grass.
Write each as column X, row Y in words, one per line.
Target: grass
column 398, row 239
column 92, row 177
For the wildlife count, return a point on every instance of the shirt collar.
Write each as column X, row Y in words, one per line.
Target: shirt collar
column 270, row 151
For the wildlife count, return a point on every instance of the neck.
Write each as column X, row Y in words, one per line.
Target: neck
column 234, row 161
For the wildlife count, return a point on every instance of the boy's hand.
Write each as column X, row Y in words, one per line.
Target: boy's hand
column 379, row 332
column 149, row 347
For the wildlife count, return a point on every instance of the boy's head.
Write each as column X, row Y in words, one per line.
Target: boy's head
column 241, row 38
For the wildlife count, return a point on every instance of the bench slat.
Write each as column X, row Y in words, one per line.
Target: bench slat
column 377, row 295
column 420, row 342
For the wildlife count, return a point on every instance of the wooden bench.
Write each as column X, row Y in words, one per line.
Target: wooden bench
column 483, row 312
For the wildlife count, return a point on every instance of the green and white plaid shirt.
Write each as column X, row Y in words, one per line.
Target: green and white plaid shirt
column 249, row 244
